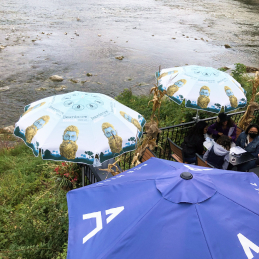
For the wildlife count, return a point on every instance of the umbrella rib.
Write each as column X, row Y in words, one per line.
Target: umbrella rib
column 125, row 232
column 126, row 123
column 97, row 185
column 203, row 231
column 95, row 139
column 237, row 203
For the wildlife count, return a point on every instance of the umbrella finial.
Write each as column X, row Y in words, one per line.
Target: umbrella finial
column 186, row 176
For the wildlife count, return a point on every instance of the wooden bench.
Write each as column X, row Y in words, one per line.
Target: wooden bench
column 201, row 162
column 146, row 155
column 176, row 151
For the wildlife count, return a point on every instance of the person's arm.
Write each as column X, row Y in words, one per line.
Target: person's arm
column 238, row 142
column 225, row 165
column 234, row 134
column 257, row 161
column 255, row 154
column 212, row 129
column 205, row 156
column 226, row 162
column 200, row 147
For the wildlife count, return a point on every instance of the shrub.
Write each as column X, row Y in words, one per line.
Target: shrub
column 67, row 176
column 33, row 212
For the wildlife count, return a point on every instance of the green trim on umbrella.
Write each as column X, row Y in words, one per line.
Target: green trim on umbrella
column 47, row 155
column 232, row 108
column 19, row 134
column 197, row 107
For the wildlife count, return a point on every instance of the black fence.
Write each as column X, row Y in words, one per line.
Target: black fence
column 88, row 176
column 177, row 133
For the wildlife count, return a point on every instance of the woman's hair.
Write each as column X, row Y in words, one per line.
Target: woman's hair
column 224, row 141
column 251, row 126
column 224, row 117
column 198, row 128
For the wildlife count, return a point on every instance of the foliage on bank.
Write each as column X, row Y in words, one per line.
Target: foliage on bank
column 33, row 208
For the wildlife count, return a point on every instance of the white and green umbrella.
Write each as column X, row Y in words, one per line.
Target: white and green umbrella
column 77, row 126
column 202, row 88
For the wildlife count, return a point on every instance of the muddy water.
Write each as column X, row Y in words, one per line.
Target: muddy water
column 73, row 38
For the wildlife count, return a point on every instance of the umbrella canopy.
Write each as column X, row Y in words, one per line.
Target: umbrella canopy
column 203, row 88
column 78, row 125
column 164, row 209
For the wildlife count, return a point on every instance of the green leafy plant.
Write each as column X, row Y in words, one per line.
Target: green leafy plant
column 239, row 71
column 67, row 175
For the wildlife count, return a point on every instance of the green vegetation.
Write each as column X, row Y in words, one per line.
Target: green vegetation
column 170, row 112
column 33, row 208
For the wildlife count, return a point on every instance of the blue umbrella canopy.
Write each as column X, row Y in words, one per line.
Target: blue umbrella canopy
column 202, row 88
column 77, row 126
column 164, row 209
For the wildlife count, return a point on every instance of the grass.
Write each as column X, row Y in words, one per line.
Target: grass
column 33, row 210
column 170, row 112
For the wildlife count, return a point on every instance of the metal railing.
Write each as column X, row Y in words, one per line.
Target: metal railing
column 177, row 133
column 88, row 176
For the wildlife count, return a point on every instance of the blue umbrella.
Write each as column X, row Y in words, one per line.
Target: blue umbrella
column 164, row 209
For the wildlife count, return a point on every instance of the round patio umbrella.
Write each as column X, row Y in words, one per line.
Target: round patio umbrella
column 202, row 88
column 165, row 209
column 77, row 126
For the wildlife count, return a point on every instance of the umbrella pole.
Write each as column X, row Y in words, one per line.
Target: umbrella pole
column 197, row 118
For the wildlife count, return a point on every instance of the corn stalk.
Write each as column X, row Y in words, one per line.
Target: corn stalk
column 246, row 119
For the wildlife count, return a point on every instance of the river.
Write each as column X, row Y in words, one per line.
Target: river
column 80, row 40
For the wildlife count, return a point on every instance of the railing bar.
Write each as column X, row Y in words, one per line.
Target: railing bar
column 124, row 161
column 163, row 137
column 130, row 159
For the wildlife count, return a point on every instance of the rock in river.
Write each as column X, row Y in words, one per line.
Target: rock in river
column 5, row 88
column 62, row 87
column 56, row 78
column 120, row 58
column 9, row 128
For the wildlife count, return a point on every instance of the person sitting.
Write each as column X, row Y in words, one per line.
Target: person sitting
column 249, row 140
column 223, row 126
column 218, row 154
column 193, row 142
